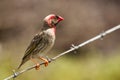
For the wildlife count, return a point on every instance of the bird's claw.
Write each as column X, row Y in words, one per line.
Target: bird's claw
column 46, row 62
column 37, row 67
column 49, row 59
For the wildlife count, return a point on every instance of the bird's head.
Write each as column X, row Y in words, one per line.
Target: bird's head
column 52, row 20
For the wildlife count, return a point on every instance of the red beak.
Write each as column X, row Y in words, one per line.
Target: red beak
column 60, row 18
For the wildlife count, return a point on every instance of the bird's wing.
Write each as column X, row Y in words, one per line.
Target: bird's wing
column 34, row 44
column 37, row 43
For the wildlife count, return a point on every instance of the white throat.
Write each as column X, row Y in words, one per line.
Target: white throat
column 50, row 31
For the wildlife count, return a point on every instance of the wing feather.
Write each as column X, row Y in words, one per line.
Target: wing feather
column 34, row 44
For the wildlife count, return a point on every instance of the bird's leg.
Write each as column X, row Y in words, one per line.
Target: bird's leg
column 45, row 60
column 37, row 67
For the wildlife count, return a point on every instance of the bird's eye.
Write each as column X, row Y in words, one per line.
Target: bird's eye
column 53, row 20
column 57, row 17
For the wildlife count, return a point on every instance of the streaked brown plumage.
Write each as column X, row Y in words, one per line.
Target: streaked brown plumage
column 43, row 41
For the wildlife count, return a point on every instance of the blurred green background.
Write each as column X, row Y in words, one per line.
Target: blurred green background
column 20, row 20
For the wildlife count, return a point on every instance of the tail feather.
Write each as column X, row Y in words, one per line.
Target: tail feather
column 21, row 64
column 23, row 61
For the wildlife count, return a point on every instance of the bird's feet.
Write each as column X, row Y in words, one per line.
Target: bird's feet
column 37, row 67
column 45, row 61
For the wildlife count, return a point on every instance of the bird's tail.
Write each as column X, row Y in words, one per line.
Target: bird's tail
column 21, row 64
column 23, row 61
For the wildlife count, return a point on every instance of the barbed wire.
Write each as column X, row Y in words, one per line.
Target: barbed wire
column 100, row 36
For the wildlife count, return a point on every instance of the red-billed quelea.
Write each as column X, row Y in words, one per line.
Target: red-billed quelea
column 43, row 41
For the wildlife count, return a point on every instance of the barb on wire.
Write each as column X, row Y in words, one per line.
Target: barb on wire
column 71, row 49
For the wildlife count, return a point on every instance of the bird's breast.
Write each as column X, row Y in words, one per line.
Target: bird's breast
column 51, row 33
column 50, row 36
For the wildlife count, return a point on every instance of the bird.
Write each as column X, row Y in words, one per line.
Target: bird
column 42, row 42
